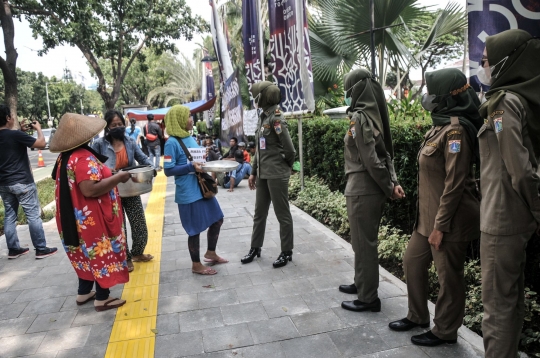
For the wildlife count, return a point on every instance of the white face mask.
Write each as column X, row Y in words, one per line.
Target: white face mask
column 485, row 78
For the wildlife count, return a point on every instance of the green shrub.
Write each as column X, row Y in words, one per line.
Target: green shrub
column 216, row 127
column 201, row 127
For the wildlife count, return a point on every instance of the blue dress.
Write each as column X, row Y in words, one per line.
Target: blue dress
column 196, row 213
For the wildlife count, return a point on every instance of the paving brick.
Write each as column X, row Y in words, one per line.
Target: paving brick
column 65, row 339
column 12, row 310
column 177, row 304
column 99, row 334
column 94, row 351
column 168, row 324
column 24, row 345
column 217, row 298
column 256, row 293
column 356, row 341
column 227, row 337
column 200, row 319
column 317, row 322
column 318, row 346
column 285, row 306
column 409, row 352
column 179, row 345
column 245, row 312
column 90, row 316
column 293, row 287
column 273, row 330
column 48, row 305
column 16, row 326
column 52, row 321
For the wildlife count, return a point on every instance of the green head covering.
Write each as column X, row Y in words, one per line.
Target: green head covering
column 176, row 121
column 367, row 96
column 270, row 94
column 520, row 75
column 457, row 99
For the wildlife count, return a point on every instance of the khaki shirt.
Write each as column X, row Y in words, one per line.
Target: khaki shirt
column 368, row 166
column 508, row 179
column 277, row 159
column 447, row 198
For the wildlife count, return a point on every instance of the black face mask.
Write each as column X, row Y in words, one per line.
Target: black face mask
column 118, row 132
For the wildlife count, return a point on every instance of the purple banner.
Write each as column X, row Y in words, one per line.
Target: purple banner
column 489, row 17
column 232, row 123
column 289, row 45
column 210, row 86
column 252, row 44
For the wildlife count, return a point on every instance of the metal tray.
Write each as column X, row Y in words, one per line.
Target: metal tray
column 220, row 166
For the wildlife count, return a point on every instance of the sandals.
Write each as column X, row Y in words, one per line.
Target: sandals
column 130, row 266
column 108, row 306
column 208, row 271
column 220, row 261
column 80, row 303
column 142, row 258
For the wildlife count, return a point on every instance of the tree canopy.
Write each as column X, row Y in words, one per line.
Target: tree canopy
column 112, row 30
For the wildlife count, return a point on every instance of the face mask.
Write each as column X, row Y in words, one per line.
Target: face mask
column 486, row 79
column 427, row 102
column 256, row 101
column 117, row 133
column 348, row 101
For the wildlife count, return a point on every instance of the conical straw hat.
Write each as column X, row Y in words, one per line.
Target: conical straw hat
column 75, row 130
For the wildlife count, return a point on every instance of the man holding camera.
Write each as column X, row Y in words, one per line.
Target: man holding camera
column 17, row 185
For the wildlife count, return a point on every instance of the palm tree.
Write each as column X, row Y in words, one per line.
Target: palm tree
column 184, row 82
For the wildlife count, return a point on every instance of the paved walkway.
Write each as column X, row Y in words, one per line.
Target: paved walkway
column 244, row 311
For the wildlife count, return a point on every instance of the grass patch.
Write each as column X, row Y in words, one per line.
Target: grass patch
column 45, row 190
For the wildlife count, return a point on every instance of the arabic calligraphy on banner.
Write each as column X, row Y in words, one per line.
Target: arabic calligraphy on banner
column 291, row 57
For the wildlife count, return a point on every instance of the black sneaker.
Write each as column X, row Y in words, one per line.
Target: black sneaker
column 46, row 252
column 14, row 253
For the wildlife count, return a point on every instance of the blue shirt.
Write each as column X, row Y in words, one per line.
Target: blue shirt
column 238, row 174
column 136, row 132
column 187, row 186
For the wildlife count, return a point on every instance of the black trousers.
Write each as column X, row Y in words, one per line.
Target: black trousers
column 86, row 286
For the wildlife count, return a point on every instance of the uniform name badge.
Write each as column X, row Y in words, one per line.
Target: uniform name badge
column 454, row 146
column 353, row 132
column 262, row 143
column 497, row 122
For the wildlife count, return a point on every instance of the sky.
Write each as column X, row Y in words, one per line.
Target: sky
column 54, row 62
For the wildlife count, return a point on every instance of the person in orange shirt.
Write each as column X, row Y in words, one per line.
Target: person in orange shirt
column 242, row 147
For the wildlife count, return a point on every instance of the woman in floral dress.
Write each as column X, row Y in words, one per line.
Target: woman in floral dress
column 89, row 213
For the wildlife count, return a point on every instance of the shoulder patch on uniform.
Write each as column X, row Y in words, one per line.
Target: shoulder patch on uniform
column 452, row 133
column 277, row 126
column 497, row 112
column 266, row 126
column 497, row 122
column 454, row 146
column 431, row 144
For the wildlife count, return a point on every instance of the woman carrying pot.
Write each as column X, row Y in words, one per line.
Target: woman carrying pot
column 371, row 181
column 196, row 213
column 89, row 212
column 448, row 216
column 122, row 151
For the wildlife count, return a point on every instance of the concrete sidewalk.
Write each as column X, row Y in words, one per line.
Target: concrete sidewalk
column 249, row 310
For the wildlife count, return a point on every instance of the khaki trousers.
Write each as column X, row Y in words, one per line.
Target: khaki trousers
column 365, row 214
column 275, row 191
column 449, row 262
column 503, row 263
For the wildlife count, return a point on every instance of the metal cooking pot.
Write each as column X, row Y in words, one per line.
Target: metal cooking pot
column 140, row 182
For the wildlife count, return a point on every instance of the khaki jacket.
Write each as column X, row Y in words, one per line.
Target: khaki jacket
column 447, row 198
column 277, row 159
column 368, row 166
column 508, row 178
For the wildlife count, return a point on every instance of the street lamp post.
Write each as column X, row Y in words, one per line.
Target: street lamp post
column 47, row 94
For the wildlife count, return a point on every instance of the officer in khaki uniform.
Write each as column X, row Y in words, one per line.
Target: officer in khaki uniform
column 371, row 180
column 510, row 209
column 274, row 158
column 448, row 210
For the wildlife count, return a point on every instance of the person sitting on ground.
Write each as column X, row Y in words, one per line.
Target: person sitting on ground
column 236, row 176
column 17, row 185
column 212, row 151
column 242, row 147
column 234, row 147
column 217, row 142
column 122, row 152
column 196, row 213
column 89, row 211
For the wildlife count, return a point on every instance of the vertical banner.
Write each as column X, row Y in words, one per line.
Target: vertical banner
column 291, row 57
column 208, row 88
column 220, row 43
column 232, row 124
column 253, row 48
column 490, row 17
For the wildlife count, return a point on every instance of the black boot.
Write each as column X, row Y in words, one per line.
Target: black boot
column 358, row 306
column 428, row 339
column 405, row 325
column 254, row 251
column 283, row 258
column 348, row 289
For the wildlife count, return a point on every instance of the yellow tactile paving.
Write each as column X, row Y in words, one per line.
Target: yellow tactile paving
column 133, row 332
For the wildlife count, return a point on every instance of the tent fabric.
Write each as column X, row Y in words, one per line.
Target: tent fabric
column 194, row 107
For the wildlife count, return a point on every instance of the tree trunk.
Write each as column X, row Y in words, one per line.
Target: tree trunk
column 9, row 64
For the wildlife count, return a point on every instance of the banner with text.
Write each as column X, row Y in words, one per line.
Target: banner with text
column 253, row 49
column 490, row 17
column 291, row 55
column 232, row 124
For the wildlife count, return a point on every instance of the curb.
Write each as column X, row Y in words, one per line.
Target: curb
column 465, row 333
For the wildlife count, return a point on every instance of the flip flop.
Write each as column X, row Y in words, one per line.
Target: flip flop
column 208, row 271
column 106, row 306
column 143, row 258
column 130, row 266
column 79, row 303
column 220, row 261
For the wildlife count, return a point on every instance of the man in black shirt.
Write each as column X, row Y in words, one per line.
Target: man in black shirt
column 153, row 135
column 234, row 147
column 17, row 185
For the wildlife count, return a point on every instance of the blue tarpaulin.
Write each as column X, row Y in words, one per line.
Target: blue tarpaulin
column 194, row 107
